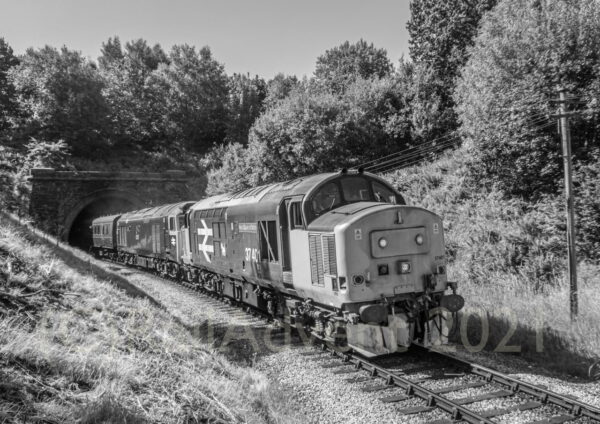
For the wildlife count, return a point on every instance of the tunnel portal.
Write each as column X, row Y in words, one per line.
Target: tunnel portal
column 80, row 234
column 63, row 203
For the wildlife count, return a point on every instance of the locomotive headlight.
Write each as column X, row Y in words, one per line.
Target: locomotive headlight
column 383, row 242
column 419, row 239
column 357, row 280
column 403, row 267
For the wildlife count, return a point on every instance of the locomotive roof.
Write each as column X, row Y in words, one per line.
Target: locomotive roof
column 265, row 193
column 156, row 211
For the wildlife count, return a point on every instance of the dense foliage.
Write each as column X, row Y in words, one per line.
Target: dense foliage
column 440, row 33
column 313, row 130
column 342, row 65
column 59, row 96
column 481, row 71
column 522, row 53
column 7, row 95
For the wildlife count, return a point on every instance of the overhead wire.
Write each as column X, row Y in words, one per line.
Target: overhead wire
column 432, row 147
column 416, row 154
column 533, row 125
column 411, row 150
column 423, row 148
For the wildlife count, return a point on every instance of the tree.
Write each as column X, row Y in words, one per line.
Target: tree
column 440, row 34
column 246, row 96
column 340, row 66
column 313, row 130
column 431, row 117
column 112, row 52
column 59, row 96
column 279, row 88
column 134, row 105
column 231, row 169
column 8, row 106
column 523, row 51
column 192, row 94
column 441, row 31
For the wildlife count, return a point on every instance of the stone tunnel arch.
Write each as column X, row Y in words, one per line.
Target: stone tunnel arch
column 76, row 227
column 63, row 203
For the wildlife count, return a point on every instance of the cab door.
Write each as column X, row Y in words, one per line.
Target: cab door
column 294, row 241
column 284, row 226
column 181, row 235
column 171, row 243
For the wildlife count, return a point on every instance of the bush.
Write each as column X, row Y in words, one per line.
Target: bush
column 313, row 130
column 523, row 51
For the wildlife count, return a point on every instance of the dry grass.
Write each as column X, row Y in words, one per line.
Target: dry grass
column 76, row 349
column 509, row 259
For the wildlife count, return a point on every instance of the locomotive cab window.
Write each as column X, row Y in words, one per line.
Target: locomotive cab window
column 356, row 189
column 171, row 223
column 384, row 194
column 326, row 198
column 296, row 216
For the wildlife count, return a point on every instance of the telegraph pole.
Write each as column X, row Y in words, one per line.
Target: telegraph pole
column 565, row 131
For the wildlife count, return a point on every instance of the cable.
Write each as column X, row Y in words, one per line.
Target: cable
column 375, row 163
column 399, row 165
column 405, row 153
column 418, row 153
column 417, row 147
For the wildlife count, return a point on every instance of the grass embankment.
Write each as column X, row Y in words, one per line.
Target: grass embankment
column 509, row 258
column 77, row 349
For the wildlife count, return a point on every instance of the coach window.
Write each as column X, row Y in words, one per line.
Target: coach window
column 384, row 194
column 268, row 241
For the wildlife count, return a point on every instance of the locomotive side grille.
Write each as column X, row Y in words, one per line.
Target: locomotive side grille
column 329, row 254
column 316, row 259
column 322, row 257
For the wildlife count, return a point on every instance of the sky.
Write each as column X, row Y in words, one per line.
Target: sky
column 259, row 37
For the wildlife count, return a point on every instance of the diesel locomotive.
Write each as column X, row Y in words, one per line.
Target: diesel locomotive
column 339, row 254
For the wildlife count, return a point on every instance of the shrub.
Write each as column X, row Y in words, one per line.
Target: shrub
column 523, row 51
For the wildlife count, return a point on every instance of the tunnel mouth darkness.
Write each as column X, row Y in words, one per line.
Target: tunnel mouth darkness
column 80, row 233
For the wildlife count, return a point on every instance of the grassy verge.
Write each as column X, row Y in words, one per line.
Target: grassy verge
column 509, row 258
column 77, row 349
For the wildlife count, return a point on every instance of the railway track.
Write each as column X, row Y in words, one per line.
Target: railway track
column 382, row 377
column 434, row 381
